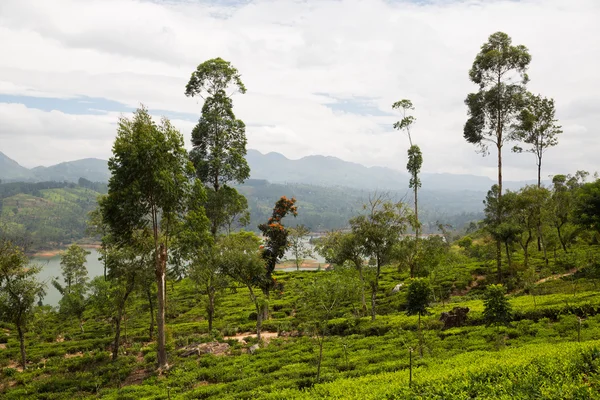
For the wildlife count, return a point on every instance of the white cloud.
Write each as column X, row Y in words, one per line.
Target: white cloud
column 288, row 52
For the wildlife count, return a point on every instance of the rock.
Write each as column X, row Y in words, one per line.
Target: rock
column 455, row 318
column 253, row 348
column 215, row 348
column 397, row 288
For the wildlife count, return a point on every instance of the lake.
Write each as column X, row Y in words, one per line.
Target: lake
column 51, row 269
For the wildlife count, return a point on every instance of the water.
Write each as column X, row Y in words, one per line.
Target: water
column 51, row 269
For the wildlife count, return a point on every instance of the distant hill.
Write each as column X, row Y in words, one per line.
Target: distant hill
column 12, row 170
column 276, row 168
column 322, row 170
column 92, row 169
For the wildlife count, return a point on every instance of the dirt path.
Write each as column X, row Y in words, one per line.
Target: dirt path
column 266, row 336
column 554, row 277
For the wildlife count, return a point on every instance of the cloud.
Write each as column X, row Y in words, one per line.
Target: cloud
column 321, row 75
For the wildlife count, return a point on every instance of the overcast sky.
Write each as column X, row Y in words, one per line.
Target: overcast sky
column 321, row 75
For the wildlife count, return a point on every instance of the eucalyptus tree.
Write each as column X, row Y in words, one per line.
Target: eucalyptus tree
column 537, row 126
column 72, row 263
column 500, row 71
column 148, row 189
column 527, row 209
column 219, row 138
column 298, row 247
column 19, row 290
column 378, row 232
column 197, row 246
column 415, row 157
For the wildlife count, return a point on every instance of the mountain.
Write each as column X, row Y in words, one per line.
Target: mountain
column 92, row 169
column 276, row 168
column 12, row 170
column 322, row 170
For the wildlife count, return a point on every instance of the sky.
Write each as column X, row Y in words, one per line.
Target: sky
column 321, row 75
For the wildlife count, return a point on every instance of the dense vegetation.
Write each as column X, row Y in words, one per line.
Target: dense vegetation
column 190, row 308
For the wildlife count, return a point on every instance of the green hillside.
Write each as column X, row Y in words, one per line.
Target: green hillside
column 49, row 218
column 544, row 353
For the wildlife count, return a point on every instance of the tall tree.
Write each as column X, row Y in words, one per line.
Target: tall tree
column 537, row 127
column 219, row 138
column 298, row 247
column 19, row 289
column 415, row 157
column 276, row 242
column 148, row 188
column 72, row 263
column 500, row 71
column 379, row 231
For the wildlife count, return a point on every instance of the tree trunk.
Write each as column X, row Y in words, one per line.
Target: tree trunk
column 373, row 297
column 508, row 255
column 259, row 318
column 151, row 328
column 22, row 346
column 499, row 260
column 160, row 315
column 211, row 308
column 560, row 238
column 81, row 325
column 115, row 353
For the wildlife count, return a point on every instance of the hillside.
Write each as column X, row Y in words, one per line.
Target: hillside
column 12, row 170
column 544, row 353
column 50, row 216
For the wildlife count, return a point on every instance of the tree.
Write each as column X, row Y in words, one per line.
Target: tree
column 148, row 188
column 526, row 209
column 298, row 247
column 500, row 223
column 378, row 232
column 536, row 126
column 238, row 256
column 219, row 138
column 18, row 290
column 497, row 309
column 587, row 206
column 338, row 248
column 418, row 300
column 276, row 242
column 415, row 157
column 500, row 70
column 562, row 202
column 323, row 299
column 73, row 266
column 197, row 246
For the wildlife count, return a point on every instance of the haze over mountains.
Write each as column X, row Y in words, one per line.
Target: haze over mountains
column 276, row 168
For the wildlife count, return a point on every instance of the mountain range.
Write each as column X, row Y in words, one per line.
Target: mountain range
column 276, row 168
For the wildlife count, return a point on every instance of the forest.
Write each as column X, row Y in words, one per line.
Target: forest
column 192, row 303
